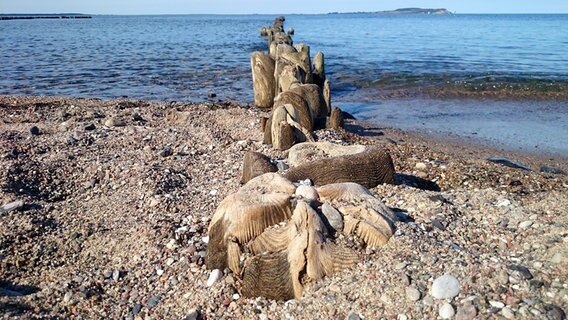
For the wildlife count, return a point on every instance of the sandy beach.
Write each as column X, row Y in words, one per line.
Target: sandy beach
column 116, row 197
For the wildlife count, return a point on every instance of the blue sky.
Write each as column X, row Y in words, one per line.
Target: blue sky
column 274, row 7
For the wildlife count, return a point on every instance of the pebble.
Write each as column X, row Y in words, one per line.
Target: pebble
column 502, row 277
column 497, row 304
column 428, row 300
column 193, row 314
column 67, row 297
column 236, row 296
column 281, row 165
column 555, row 313
column 214, row 276
column 445, row 287
column 154, row 202
column 159, row 272
column 332, row 216
column 90, row 127
column 401, row 317
column 507, row 313
column 558, row 258
column 170, row 261
column 446, row 311
column 136, row 309
column 437, row 224
column 466, row 312
column 525, row 224
column 172, row 244
column 107, row 274
column 152, row 302
column 401, row 265
column 137, row 117
column 166, row 152
column 420, row 166
column 213, row 192
column 503, row 203
column 353, row 316
column 35, row 131
column 412, row 294
column 307, row 192
column 116, row 275
column 112, row 122
column 205, row 239
column 405, row 279
column 524, row 271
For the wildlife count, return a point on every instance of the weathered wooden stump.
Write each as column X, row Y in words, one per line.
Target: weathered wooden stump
column 336, row 119
column 264, row 85
column 256, row 164
column 369, row 169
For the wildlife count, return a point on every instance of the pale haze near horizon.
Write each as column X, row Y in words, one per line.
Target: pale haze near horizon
column 273, row 7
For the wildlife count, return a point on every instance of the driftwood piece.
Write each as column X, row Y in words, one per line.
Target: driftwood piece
column 264, row 84
column 256, row 164
column 327, row 96
column 369, row 169
column 318, row 75
column 314, row 97
column 336, row 119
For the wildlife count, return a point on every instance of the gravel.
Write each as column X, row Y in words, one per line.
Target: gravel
column 105, row 200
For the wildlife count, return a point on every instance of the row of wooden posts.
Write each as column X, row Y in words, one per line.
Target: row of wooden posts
column 295, row 90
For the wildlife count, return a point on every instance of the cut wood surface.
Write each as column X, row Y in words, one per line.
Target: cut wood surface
column 369, row 169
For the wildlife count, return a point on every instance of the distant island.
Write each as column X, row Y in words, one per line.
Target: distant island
column 25, row 16
column 403, row 11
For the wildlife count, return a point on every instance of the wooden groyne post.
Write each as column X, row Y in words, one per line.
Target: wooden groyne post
column 292, row 87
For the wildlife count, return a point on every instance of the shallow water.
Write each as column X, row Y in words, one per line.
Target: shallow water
column 527, row 126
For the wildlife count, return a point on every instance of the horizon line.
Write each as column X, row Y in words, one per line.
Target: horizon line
column 289, row 13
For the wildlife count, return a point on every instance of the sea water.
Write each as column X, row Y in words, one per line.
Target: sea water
column 439, row 73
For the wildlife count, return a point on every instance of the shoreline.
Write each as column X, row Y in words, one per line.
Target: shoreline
column 118, row 194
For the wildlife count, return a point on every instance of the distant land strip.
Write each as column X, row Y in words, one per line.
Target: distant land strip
column 402, row 11
column 44, row 16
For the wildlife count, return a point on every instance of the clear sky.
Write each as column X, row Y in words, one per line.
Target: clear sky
column 274, row 7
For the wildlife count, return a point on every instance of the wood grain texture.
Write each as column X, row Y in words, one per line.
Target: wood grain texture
column 264, row 84
column 256, row 164
column 369, row 169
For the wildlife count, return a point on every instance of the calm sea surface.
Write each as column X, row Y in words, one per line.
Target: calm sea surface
column 377, row 63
